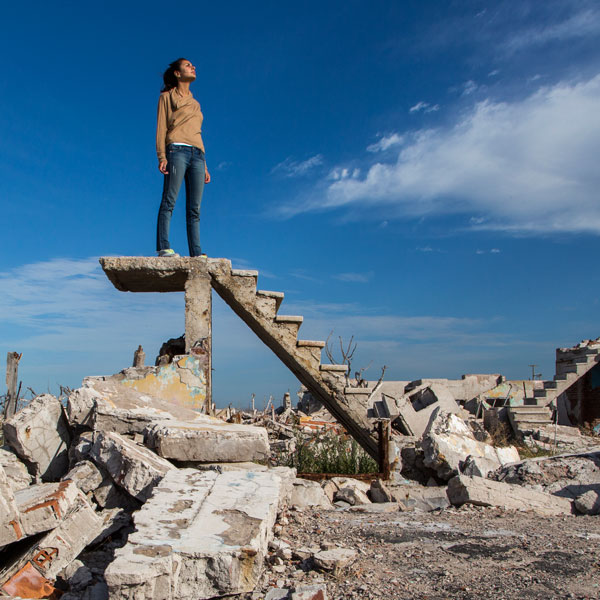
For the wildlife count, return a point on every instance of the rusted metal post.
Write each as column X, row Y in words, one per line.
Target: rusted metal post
column 12, row 376
column 383, row 427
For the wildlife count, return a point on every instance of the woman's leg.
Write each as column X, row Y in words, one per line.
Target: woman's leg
column 194, row 186
column 176, row 166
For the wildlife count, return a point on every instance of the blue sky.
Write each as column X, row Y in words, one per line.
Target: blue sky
column 421, row 175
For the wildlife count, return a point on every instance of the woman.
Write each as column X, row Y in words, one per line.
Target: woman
column 180, row 153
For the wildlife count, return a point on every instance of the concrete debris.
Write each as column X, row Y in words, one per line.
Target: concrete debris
column 417, row 407
column 588, row 503
column 207, row 439
column 39, row 435
column 10, row 528
column 353, row 495
column 484, row 492
column 412, row 496
column 568, row 475
column 334, row 560
column 307, row 493
column 448, row 441
column 201, row 534
column 381, row 507
column 302, row 592
column 86, row 476
column 134, row 468
column 379, row 492
column 43, row 506
column 16, row 472
column 107, row 404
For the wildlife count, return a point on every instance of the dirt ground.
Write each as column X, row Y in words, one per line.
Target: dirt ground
column 467, row 553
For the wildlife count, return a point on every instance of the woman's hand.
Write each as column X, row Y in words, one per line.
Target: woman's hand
column 206, row 176
column 162, row 167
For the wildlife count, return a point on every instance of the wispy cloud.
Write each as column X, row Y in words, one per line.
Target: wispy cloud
column 527, row 166
column 386, row 141
column 424, row 106
column 582, row 24
column 354, row 277
column 293, row 168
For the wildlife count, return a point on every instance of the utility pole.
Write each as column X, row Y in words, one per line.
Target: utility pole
column 533, row 373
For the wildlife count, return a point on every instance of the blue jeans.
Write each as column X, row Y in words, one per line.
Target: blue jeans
column 183, row 162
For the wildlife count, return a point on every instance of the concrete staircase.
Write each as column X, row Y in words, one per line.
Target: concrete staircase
column 571, row 364
column 326, row 382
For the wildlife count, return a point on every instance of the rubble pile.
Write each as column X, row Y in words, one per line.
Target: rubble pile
column 123, row 495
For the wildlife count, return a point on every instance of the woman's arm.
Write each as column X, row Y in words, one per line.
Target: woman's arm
column 161, row 132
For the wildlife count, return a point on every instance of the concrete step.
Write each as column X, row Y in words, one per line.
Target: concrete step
column 540, row 393
column 550, row 385
column 289, row 319
column 528, row 409
column 310, row 343
column 277, row 296
column 565, row 377
column 244, row 273
column 531, row 420
column 334, row 368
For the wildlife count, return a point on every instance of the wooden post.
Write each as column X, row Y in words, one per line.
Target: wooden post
column 12, row 376
column 384, row 447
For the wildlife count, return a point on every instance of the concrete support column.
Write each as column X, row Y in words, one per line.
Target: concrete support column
column 198, row 325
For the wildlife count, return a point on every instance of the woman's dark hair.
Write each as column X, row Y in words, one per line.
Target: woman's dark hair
column 169, row 75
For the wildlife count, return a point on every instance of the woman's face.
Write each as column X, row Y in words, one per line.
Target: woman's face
column 186, row 72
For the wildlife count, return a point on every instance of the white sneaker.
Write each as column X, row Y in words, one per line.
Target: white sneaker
column 167, row 252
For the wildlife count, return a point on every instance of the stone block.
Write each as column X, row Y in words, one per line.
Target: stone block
column 86, row 476
column 43, row 506
column 352, row 495
column 39, row 435
column 16, row 472
column 309, row 592
column 207, row 439
column 588, row 503
column 485, row 492
column 202, row 534
column 448, row 441
column 335, row 559
column 306, row 493
column 134, row 468
column 10, row 528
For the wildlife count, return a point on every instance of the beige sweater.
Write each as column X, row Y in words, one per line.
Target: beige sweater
column 179, row 120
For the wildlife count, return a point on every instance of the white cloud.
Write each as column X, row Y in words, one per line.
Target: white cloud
column 293, row 168
column 354, row 277
column 387, row 141
column 495, row 251
column 469, row 87
column 424, row 106
column 530, row 165
column 582, row 24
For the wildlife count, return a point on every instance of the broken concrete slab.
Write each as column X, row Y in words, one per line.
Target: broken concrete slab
column 39, row 434
column 86, row 476
column 201, row 534
column 416, row 407
column 448, row 441
column 420, row 498
column 485, row 492
column 43, row 506
column 16, row 471
column 207, row 439
column 106, row 404
column 307, row 493
column 134, row 468
column 10, row 529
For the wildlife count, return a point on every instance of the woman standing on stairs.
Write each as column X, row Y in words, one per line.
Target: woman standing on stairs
column 180, row 153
